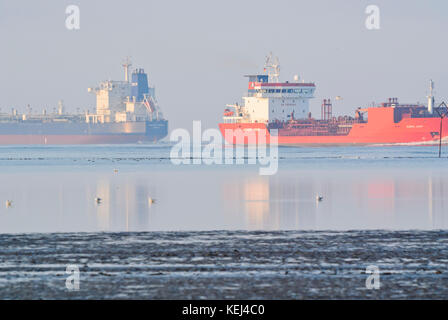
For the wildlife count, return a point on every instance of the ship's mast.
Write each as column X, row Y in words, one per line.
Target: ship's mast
column 126, row 65
column 431, row 96
column 272, row 67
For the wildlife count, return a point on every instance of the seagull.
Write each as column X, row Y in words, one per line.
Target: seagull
column 98, row 200
column 151, row 201
column 8, row 203
column 319, row 198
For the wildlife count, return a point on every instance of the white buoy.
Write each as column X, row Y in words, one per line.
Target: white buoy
column 8, row 203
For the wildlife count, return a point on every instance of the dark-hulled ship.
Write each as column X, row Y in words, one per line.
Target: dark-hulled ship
column 126, row 112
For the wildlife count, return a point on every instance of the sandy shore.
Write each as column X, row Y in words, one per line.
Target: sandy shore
column 225, row 265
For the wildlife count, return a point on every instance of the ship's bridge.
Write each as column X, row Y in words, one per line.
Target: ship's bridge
column 260, row 87
column 268, row 101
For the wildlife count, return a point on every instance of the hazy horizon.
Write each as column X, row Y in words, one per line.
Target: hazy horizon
column 197, row 52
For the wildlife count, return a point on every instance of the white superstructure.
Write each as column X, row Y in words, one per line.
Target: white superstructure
column 269, row 100
column 123, row 101
column 110, row 97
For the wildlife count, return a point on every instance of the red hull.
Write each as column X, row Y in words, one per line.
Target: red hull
column 72, row 139
column 376, row 131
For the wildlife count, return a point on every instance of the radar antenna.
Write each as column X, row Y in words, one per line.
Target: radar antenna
column 272, row 67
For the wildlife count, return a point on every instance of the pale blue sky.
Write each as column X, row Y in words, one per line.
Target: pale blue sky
column 196, row 52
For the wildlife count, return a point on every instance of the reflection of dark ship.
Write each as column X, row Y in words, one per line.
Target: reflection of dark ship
column 126, row 112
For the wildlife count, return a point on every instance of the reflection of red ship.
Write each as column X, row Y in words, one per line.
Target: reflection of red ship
column 271, row 104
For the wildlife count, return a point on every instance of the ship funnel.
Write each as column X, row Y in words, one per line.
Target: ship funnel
column 431, row 97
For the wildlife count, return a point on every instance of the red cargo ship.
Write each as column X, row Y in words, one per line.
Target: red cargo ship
column 284, row 106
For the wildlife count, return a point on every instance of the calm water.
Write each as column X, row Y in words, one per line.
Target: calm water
column 53, row 189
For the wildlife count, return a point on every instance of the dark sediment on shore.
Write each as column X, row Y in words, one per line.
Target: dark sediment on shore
column 226, row 265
